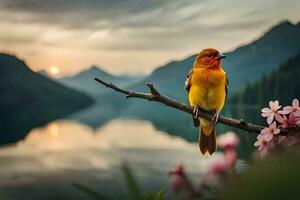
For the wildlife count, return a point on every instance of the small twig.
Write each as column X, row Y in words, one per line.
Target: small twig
column 154, row 95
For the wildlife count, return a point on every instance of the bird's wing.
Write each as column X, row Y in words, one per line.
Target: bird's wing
column 188, row 80
column 226, row 87
column 188, row 85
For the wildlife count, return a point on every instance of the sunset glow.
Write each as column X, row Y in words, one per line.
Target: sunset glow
column 54, row 71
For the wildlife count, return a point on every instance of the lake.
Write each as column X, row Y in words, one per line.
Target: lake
column 47, row 163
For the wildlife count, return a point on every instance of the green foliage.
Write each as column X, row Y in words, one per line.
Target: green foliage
column 276, row 177
column 134, row 192
column 160, row 195
column 89, row 192
column 131, row 183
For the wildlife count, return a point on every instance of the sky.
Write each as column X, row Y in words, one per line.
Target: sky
column 130, row 36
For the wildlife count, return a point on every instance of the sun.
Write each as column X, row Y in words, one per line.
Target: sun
column 54, row 70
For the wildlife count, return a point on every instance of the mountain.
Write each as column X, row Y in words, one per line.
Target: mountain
column 243, row 65
column 29, row 99
column 43, row 73
column 250, row 62
column 84, row 81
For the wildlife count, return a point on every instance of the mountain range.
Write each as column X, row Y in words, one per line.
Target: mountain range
column 84, row 81
column 29, row 99
column 244, row 66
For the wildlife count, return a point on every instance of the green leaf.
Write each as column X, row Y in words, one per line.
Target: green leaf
column 149, row 196
column 160, row 195
column 91, row 193
column 134, row 190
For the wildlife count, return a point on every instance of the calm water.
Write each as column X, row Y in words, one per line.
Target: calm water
column 51, row 158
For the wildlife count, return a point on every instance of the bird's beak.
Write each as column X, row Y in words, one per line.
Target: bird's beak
column 220, row 56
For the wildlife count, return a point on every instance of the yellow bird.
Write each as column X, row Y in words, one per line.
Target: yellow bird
column 207, row 84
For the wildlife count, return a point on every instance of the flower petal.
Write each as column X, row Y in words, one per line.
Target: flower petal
column 265, row 114
column 271, row 103
column 273, row 125
column 270, row 118
column 282, row 112
column 257, row 143
column 263, row 131
column 276, row 131
column 279, row 118
column 276, row 105
column 268, row 137
column 288, row 109
column 295, row 103
column 266, row 110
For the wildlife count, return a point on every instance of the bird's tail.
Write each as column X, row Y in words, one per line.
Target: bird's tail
column 207, row 137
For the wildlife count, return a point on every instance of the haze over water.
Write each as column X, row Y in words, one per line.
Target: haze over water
column 65, row 152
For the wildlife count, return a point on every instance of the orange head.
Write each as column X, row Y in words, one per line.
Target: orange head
column 210, row 58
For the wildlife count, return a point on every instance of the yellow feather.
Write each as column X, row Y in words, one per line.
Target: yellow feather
column 208, row 92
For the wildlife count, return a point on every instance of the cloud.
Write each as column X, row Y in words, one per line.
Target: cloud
column 124, row 27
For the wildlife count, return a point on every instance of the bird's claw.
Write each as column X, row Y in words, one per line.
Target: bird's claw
column 215, row 118
column 196, row 112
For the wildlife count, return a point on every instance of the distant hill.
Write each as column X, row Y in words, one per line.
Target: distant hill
column 29, row 99
column 44, row 73
column 282, row 85
column 84, row 81
column 250, row 62
column 243, row 65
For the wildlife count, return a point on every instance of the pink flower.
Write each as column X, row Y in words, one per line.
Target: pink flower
column 271, row 112
column 219, row 167
column 179, row 180
column 177, row 171
column 283, row 120
column 178, row 183
column 291, row 122
column 228, row 140
column 261, row 143
column 268, row 133
column 291, row 109
column 297, row 113
column 231, row 157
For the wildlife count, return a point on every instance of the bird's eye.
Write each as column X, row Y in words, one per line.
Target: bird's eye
column 209, row 56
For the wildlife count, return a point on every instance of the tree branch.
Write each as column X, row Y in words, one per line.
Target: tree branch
column 154, row 95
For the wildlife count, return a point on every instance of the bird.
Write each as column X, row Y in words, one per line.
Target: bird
column 207, row 87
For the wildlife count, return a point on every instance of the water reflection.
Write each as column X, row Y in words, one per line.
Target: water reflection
column 72, row 150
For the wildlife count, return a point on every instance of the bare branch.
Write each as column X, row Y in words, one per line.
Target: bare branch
column 154, row 95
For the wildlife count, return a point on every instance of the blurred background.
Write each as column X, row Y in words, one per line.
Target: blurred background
column 59, row 127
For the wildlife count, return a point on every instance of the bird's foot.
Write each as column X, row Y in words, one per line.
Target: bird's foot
column 196, row 112
column 215, row 118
